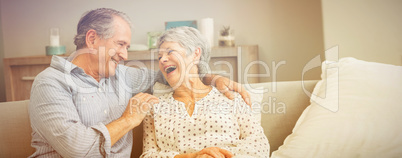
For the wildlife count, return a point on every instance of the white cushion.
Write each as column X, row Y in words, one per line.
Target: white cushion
column 256, row 95
column 355, row 111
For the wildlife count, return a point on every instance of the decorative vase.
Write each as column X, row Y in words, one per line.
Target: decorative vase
column 153, row 39
column 228, row 41
column 226, row 37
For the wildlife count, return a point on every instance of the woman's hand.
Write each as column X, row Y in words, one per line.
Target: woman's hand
column 214, row 152
column 204, row 156
column 211, row 152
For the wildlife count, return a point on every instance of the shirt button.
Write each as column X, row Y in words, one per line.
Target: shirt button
column 105, row 111
column 83, row 99
column 100, row 89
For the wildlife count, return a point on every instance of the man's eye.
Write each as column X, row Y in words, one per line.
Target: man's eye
column 159, row 58
column 170, row 51
column 121, row 44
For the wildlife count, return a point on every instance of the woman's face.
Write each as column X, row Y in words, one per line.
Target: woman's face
column 174, row 64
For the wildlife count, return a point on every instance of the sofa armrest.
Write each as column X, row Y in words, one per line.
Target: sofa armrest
column 15, row 129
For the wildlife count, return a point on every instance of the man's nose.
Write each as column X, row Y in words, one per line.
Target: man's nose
column 123, row 54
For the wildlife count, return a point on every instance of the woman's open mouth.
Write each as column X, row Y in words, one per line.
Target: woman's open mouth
column 170, row 69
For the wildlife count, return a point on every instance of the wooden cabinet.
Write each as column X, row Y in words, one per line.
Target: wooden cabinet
column 19, row 74
column 233, row 62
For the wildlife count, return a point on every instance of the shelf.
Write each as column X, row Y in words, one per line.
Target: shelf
column 215, row 52
column 233, row 61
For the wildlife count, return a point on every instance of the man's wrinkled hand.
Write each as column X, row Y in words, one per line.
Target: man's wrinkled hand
column 138, row 107
column 226, row 86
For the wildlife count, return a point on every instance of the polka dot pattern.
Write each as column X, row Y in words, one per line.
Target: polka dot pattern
column 216, row 122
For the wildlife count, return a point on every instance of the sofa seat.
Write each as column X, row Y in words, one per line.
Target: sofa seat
column 282, row 105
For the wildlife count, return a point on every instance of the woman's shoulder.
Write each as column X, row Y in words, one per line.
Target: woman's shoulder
column 237, row 97
column 165, row 98
column 165, row 101
column 215, row 90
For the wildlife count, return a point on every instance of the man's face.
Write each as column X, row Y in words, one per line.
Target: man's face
column 113, row 50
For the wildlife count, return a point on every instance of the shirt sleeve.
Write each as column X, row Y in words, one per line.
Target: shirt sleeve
column 150, row 147
column 54, row 117
column 140, row 79
column 252, row 141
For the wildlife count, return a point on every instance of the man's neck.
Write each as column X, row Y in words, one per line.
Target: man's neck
column 84, row 62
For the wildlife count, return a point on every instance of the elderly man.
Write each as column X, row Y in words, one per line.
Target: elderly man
column 82, row 106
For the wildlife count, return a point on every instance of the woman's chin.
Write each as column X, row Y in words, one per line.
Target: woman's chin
column 175, row 79
column 172, row 83
column 175, row 82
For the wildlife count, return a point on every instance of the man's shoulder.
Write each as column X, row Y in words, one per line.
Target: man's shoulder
column 49, row 73
column 50, row 76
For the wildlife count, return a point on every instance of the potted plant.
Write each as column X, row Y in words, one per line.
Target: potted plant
column 226, row 37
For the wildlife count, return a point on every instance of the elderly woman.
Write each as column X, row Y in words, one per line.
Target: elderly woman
column 196, row 120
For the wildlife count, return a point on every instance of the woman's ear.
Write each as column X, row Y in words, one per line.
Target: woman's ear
column 90, row 38
column 197, row 55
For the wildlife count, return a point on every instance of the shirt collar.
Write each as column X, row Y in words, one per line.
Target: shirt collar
column 64, row 65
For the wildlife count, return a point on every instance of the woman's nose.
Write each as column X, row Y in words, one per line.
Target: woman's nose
column 164, row 58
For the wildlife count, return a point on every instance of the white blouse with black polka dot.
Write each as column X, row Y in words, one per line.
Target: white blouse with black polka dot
column 216, row 122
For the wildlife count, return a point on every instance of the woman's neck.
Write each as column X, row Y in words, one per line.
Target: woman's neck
column 193, row 90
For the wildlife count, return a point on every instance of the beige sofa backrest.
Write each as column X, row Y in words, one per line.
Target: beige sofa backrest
column 281, row 109
column 15, row 129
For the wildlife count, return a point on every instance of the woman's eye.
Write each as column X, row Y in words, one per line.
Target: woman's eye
column 170, row 51
column 159, row 58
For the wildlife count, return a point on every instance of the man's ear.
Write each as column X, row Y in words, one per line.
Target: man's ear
column 90, row 38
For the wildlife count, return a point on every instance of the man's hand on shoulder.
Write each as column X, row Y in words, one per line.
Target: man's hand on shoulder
column 135, row 112
column 138, row 107
column 227, row 86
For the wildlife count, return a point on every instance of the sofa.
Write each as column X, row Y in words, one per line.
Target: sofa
column 353, row 111
column 277, row 122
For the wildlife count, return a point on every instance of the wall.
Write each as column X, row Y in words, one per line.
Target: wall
column 2, row 86
column 289, row 31
column 365, row 29
column 295, row 35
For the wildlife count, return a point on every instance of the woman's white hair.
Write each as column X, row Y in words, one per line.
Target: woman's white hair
column 190, row 39
column 101, row 20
